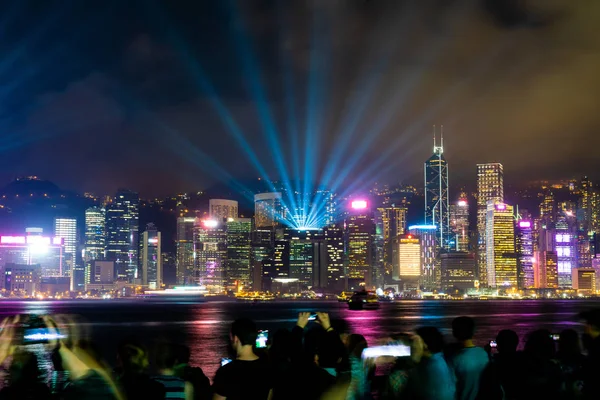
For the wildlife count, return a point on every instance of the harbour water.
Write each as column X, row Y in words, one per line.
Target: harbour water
column 204, row 326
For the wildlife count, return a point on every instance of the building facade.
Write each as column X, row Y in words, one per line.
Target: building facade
column 184, row 248
column 239, row 250
column 122, row 234
column 151, row 256
column 334, row 242
column 223, row 209
column 406, row 254
column 268, row 209
column 525, row 245
column 490, row 187
column 430, row 274
column 95, row 239
column 210, row 244
column 458, row 271
column 360, row 230
column 437, row 209
column 501, row 257
column 459, row 224
column 66, row 228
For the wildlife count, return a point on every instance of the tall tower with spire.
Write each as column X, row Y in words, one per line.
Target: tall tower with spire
column 436, row 193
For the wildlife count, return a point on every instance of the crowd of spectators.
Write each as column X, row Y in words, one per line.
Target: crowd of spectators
column 317, row 360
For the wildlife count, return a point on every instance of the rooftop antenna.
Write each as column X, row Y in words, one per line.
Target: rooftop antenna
column 434, row 136
column 442, row 136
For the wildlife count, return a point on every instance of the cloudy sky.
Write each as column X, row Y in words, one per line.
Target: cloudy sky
column 164, row 96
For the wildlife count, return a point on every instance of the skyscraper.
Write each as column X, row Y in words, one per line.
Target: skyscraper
column 501, row 255
column 392, row 221
column 239, row 249
column 66, row 228
column 95, row 239
column 436, row 194
column 268, row 209
column 406, row 256
column 223, row 209
column 548, row 208
column 151, row 258
column 334, row 240
column 430, row 273
column 210, row 243
column 122, row 231
column 490, row 187
column 525, row 245
column 585, row 204
column 359, row 233
column 305, row 258
column 459, row 223
column 458, row 271
column 566, row 248
column 184, row 243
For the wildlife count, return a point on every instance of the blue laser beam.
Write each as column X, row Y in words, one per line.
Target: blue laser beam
column 250, row 69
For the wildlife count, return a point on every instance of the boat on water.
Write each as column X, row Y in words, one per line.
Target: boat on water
column 255, row 297
column 181, row 293
column 364, row 301
column 345, row 296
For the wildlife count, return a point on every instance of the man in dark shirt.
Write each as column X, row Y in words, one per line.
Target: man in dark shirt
column 247, row 377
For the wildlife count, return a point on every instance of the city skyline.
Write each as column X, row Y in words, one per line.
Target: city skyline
column 205, row 92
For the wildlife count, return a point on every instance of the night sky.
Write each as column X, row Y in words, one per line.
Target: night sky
column 165, row 96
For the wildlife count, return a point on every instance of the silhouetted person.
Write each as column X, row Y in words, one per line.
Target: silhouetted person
column 317, row 361
column 571, row 362
column 591, row 341
column 358, row 381
column 247, row 377
column 194, row 375
column 24, row 379
column 132, row 377
column 166, row 360
column 541, row 375
column 432, row 378
column 468, row 361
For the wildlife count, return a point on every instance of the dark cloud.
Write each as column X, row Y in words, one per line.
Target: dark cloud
column 152, row 100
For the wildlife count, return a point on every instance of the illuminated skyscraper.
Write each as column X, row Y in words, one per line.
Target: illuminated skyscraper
column 585, row 205
column 223, row 209
column 95, row 239
column 239, row 249
column 406, row 257
column 490, row 187
column 548, row 208
column 151, row 257
column 525, row 245
column 392, row 221
column 66, row 228
column 501, row 254
column 122, row 231
column 360, row 229
column 566, row 248
column 459, row 223
column 436, row 194
column 305, row 258
column 546, row 271
column 268, row 209
column 210, row 243
column 334, row 242
column 457, row 271
column 184, row 243
column 430, row 274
